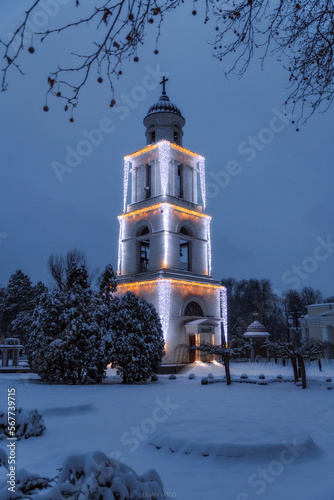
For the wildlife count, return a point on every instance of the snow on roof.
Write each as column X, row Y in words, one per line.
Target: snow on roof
column 256, row 329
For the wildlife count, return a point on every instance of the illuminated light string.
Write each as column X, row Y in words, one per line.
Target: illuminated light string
column 224, row 311
column 164, row 160
column 173, row 281
column 150, row 147
column 208, row 237
column 201, row 165
column 120, row 244
column 126, row 180
column 164, row 291
column 166, row 217
column 161, row 206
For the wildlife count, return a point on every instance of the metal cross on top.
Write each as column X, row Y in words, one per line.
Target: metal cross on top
column 163, row 83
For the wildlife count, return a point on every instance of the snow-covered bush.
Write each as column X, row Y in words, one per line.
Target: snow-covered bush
column 27, row 424
column 244, row 376
column 172, row 376
column 67, row 342
column 204, row 381
column 261, row 376
column 89, row 476
column 191, row 376
column 210, row 375
column 279, row 378
column 137, row 342
column 154, row 378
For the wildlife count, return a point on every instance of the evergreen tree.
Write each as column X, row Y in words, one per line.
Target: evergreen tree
column 107, row 284
column 67, row 342
column 2, row 310
column 20, row 298
column 137, row 343
column 21, row 326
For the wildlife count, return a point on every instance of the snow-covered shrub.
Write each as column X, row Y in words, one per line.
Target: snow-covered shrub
column 328, row 379
column 204, row 381
column 210, row 375
column 279, row 378
column 137, row 342
column 261, row 376
column 91, row 476
column 191, row 376
column 244, row 376
column 27, row 485
column 172, row 376
column 67, row 342
column 27, row 424
column 154, row 378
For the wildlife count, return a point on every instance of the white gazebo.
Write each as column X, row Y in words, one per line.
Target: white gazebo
column 256, row 333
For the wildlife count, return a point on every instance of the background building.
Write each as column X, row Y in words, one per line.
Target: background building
column 319, row 322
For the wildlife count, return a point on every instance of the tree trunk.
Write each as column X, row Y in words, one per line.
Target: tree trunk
column 303, row 371
column 294, row 366
column 227, row 370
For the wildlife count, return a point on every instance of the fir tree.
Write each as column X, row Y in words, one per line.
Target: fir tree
column 137, row 343
column 19, row 299
column 107, row 284
column 67, row 342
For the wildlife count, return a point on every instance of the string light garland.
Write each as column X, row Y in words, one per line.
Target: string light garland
column 150, row 147
column 120, row 244
column 136, row 284
column 164, row 291
column 201, row 165
column 224, row 311
column 208, row 237
column 161, row 206
column 166, row 217
column 126, row 180
column 164, row 160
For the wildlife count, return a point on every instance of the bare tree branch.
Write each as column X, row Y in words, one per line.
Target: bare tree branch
column 298, row 33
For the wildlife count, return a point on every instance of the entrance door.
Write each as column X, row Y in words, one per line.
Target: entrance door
column 192, row 353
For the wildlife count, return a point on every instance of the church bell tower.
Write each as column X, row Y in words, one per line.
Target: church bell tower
column 164, row 252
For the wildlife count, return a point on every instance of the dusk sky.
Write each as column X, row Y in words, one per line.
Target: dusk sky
column 270, row 188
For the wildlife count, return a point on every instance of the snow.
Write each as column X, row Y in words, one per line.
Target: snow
column 239, row 442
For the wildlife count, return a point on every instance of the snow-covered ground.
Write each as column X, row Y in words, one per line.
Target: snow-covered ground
column 240, row 442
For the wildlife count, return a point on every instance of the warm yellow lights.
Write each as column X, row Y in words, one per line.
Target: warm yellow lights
column 161, row 206
column 150, row 147
column 173, row 282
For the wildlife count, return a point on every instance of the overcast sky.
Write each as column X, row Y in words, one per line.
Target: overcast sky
column 270, row 188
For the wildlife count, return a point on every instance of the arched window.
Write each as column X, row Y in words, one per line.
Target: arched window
column 184, row 231
column 144, row 251
column 193, row 309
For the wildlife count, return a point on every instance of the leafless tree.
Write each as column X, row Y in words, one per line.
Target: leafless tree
column 299, row 33
column 308, row 349
column 59, row 267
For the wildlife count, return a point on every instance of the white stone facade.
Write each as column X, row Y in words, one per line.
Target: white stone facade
column 319, row 322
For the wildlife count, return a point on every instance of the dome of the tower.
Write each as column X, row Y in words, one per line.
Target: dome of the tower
column 164, row 106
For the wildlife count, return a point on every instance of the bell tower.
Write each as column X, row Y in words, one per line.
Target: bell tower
column 164, row 250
